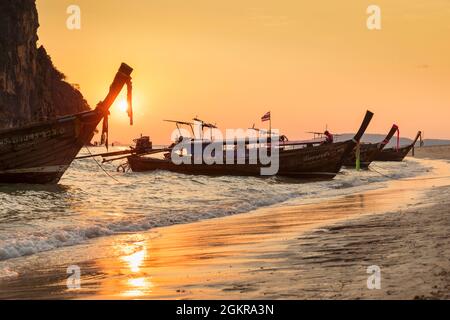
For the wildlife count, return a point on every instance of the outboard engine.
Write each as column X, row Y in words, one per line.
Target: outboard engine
column 143, row 144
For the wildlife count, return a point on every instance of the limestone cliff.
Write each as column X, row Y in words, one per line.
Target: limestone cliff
column 31, row 88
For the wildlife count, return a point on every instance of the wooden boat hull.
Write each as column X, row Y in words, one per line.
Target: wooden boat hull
column 397, row 155
column 393, row 154
column 368, row 152
column 312, row 162
column 321, row 162
column 40, row 154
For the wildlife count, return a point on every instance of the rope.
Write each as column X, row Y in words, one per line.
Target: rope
column 103, row 169
column 408, row 179
column 380, row 173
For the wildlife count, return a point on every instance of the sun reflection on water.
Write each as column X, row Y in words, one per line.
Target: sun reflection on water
column 135, row 260
column 138, row 287
column 138, row 284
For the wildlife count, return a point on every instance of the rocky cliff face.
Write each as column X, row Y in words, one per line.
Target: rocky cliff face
column 31, row 88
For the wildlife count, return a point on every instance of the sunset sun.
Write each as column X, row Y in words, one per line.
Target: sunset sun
column 122, row 105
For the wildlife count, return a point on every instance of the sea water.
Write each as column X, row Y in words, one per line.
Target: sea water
column 89, row 203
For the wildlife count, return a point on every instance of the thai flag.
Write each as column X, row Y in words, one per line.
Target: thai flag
column 266, row 117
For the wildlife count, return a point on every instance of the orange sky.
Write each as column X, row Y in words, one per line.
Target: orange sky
column 311, row 63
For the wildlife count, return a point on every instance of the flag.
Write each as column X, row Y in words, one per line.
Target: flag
column 266, row 117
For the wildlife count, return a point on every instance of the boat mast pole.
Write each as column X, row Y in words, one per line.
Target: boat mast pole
column 270, row 126
column 179, row 130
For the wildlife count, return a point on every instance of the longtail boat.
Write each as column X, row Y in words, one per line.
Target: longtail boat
column 397, row 154
column 368, row 151
column 321, row 162
column 41, row 153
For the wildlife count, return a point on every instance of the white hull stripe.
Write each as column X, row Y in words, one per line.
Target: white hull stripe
column 47, row 169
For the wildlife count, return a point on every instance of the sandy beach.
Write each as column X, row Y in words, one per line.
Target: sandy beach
column 270, row 253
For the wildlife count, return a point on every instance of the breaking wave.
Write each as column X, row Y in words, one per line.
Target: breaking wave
column 89, row 204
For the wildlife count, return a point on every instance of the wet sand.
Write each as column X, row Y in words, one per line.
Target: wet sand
column 319, row 250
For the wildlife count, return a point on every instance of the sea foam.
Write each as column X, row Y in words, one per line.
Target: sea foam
column 89, row 205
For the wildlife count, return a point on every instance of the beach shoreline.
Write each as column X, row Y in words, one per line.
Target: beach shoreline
column 269, row 253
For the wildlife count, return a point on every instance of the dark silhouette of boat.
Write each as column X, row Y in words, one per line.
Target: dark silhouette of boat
column 369, row 151
column 41, row 153
column 320, row 162
column 394, row 154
